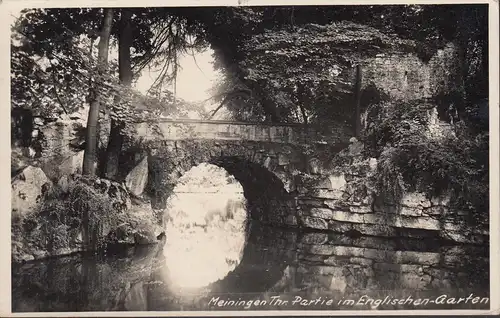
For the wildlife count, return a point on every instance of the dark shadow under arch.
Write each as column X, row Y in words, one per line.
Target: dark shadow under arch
column 267, row 199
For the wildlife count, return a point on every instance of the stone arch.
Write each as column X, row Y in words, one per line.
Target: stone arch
column 264, row 171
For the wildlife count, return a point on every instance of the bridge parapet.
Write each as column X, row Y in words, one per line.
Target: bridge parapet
column 181, row 129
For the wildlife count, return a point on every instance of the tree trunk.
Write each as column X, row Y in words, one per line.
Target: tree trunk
column 357, row 96
column 90, row 153
column 270, row 109
column 125, row 72
column 463, row 65
column 301, row 97
column 304, row 114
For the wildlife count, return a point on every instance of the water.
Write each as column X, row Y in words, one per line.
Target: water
column 215, row 259
column 272, row 263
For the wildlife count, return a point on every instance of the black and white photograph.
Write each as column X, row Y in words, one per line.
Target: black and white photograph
column 250, row 158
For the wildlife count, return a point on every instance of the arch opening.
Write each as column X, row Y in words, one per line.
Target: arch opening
column 208, row 216
column 205, row 224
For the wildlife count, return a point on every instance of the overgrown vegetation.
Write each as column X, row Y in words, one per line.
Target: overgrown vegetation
column 59, row 220
column 410, row 159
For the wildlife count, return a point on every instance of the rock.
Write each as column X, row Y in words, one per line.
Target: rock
column 121, row 235
column 322, row 213
column 40, row 254
column 56, row 147
column 339, row 227
column 314, row 223
column 417, row 223
column 27, row 190
column 314, row 238
column 283, row 159
column 421, row 258
column 26, row 258
column 325, row 250
column 324, row 183
column 441, row 201
column 72, row 164
column 38, row 121
column 337, row 182
column 137, row 178
column 267, row 162
column 360, row 209
column 410, row 211
column 145, row 237
column 344, row 216
column 18, row 160
column 311, row 202
column 78, row 239
column 356, row 148
column 117, row 193
column 361, row 261
column 139, row 226
column 328, row 194
column 65, row 251
column 63, row 183
column 315, row 166
column 415, row 200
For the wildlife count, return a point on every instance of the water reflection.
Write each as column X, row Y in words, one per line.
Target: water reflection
column 206, row 223
column 215, row 259
column 274, row 263
column 258, row 270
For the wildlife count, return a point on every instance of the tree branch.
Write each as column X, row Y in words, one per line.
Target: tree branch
column 55, row 91
column 230, row 96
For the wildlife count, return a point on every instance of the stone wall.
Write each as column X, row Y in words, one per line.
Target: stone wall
column 56, row 152
column 404, row 76
column 57, row 143
column 287, row 187
column 345, row 199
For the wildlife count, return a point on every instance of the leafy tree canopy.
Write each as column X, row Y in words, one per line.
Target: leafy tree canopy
column 283, row 31
column 256, row 46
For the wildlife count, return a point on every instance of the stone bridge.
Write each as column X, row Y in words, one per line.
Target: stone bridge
column 285, row 133
column 264, row 158
column 291, row 176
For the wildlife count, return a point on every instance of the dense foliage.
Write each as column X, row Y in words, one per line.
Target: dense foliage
column 412, row 159
column 52, row 84
column 241, row 36
column 320, row 88
column 430, row 25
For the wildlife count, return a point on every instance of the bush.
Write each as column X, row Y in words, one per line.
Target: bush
column 63, row 216
column 410, row 161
